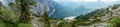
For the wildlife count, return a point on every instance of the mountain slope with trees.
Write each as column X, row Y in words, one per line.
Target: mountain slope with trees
column 103, row 15
column 19, row 14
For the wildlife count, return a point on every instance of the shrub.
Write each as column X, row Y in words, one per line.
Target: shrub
column 115, row 22
column 25, row 25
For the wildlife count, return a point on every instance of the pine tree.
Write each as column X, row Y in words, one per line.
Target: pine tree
column 46, row 19
column 0, row 7
column 74, row 24
column 24, row 7
column 24, row 12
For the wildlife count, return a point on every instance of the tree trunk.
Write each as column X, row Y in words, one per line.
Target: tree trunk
column 24, row 12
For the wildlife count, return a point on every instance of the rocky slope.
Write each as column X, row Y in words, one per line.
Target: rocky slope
column 103, row 16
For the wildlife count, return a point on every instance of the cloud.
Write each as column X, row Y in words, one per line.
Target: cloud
column 90, row 0
column 0, row 0
column 109, row 0
column 76, row 0
column 67, row 0
column 70, row 18
column 85, row 0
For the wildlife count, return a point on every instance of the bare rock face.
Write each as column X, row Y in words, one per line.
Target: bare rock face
column 42, row 5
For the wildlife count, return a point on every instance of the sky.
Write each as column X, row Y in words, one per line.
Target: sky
column 0, row 0
column 5, row 2
column 88, row 3
column 77, row 3
column 86, row 0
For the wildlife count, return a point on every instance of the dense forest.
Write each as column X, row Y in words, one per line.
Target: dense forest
column 20, row 14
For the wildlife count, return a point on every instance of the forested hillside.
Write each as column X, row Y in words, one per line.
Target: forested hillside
column 21, row 13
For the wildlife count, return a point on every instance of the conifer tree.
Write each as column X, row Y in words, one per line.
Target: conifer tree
column 24, row 7
column 46, row 19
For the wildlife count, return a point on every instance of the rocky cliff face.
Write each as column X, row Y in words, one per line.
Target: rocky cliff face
column 57, row 10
